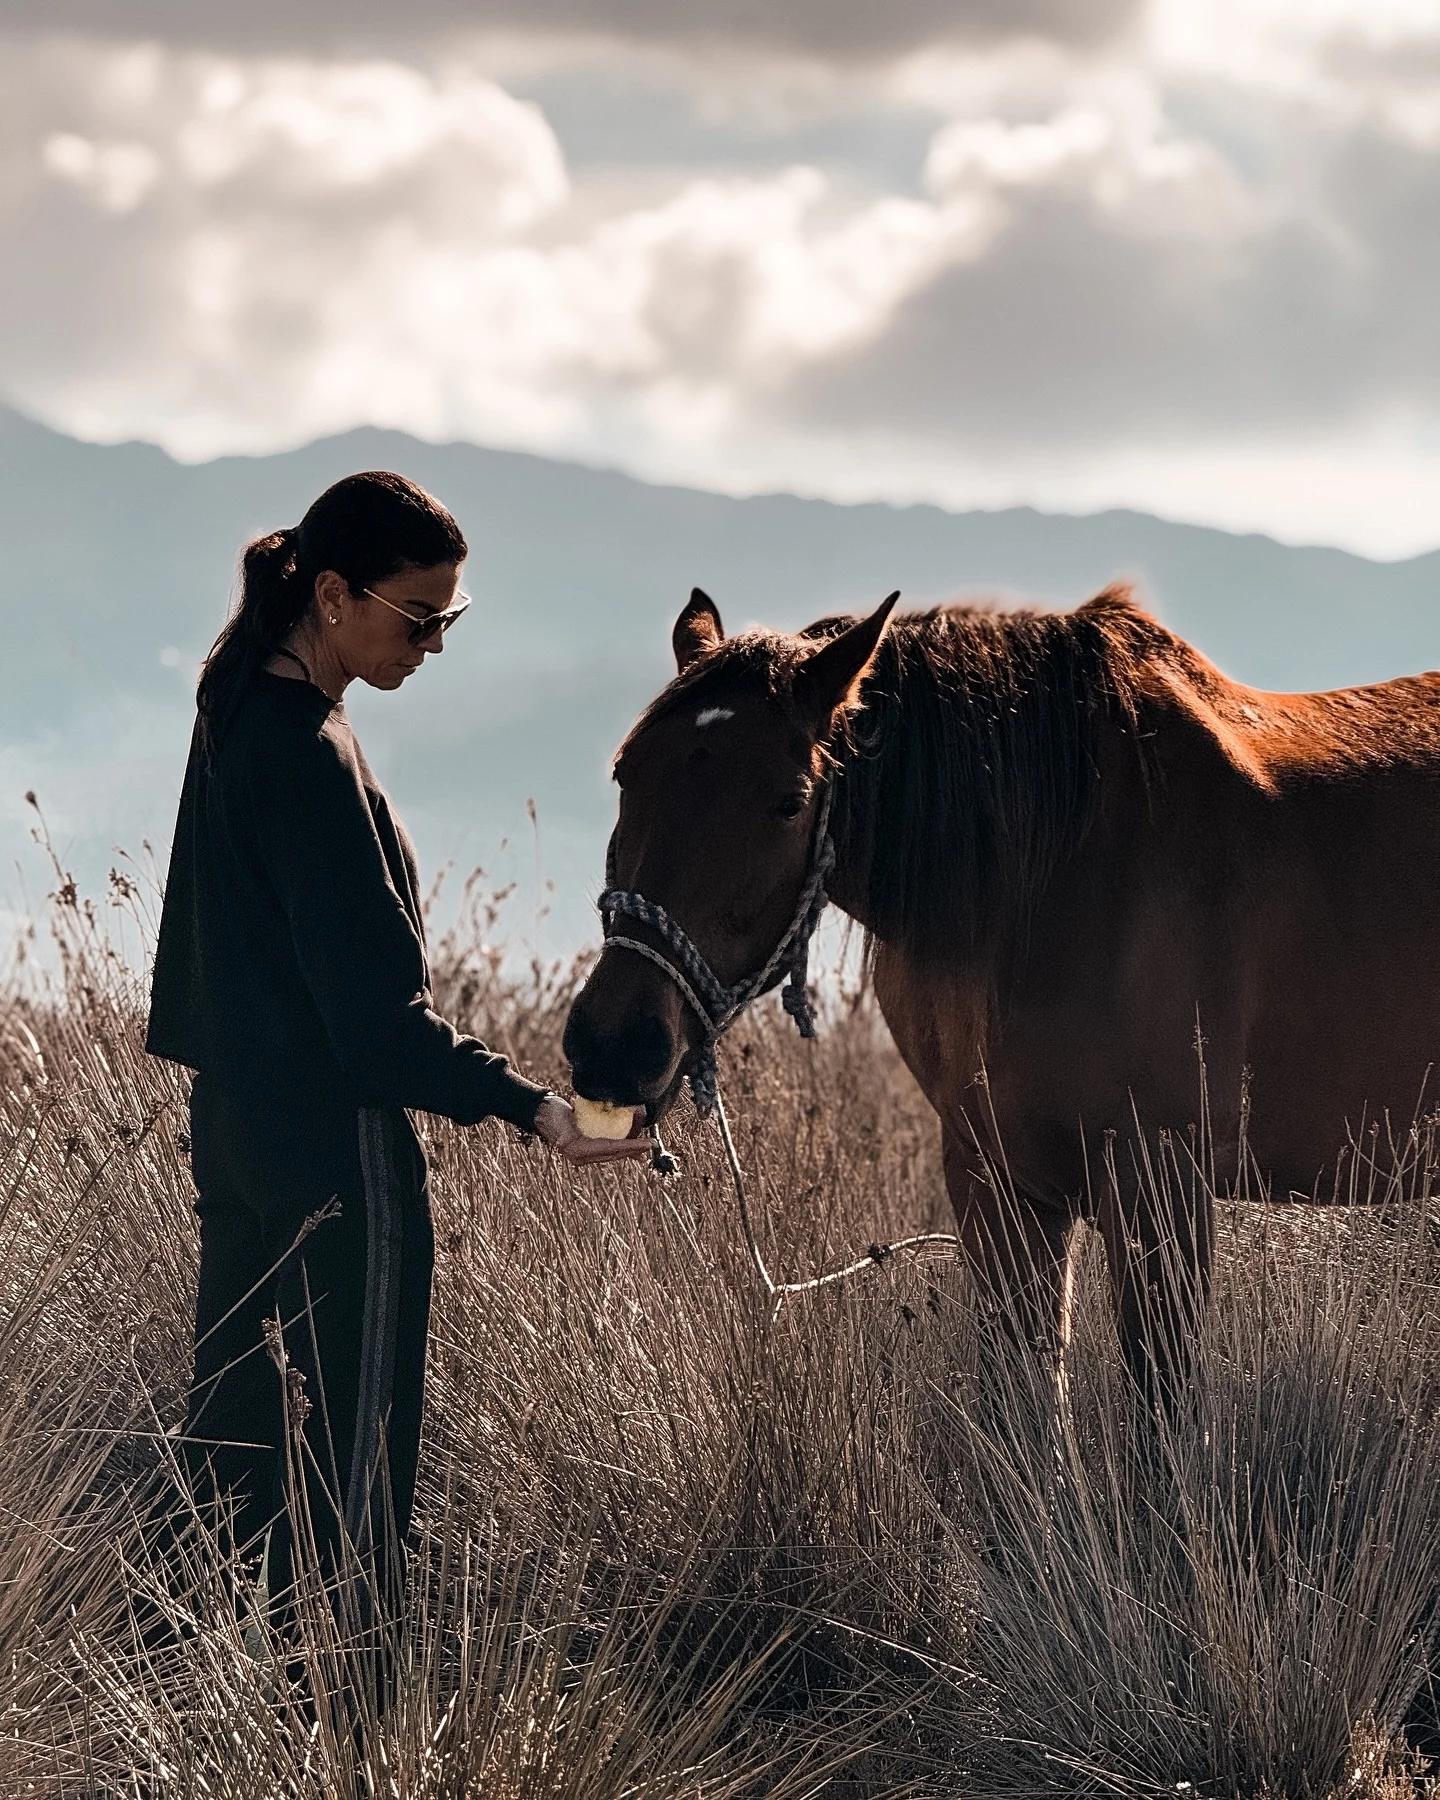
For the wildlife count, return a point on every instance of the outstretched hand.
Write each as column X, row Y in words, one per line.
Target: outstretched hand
column 556, row 1123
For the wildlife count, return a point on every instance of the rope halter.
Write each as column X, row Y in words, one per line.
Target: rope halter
column 716, row 1006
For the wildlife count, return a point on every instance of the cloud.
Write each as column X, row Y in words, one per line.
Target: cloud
column 293, row 246
column 288, row 133
column 118, row 176
column 1111, row 267
column 249, row 226
column 823, row 28
column 1151, row 283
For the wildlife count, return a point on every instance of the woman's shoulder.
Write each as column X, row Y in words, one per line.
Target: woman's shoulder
column 286, row 725
column 278, row 704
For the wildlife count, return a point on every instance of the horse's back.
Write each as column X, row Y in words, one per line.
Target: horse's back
column 1316, row 940
column 1262, row 867
column 1272, row 878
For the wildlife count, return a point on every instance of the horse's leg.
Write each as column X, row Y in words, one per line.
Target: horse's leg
column 1158, row 1244
column 1019, row 1261
column 1018, row 1255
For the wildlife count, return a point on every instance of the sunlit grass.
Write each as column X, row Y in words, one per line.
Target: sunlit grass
column 668, row 1547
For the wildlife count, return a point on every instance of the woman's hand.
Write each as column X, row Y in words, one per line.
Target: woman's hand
column 555, row 1122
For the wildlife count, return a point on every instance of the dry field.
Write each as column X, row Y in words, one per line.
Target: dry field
column 669, row 1548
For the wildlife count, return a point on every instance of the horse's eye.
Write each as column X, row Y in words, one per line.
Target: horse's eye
column 791, row 806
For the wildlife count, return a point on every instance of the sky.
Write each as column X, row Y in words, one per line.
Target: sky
column 1180, row 255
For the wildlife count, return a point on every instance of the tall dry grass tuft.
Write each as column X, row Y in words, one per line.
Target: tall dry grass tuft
column 667, row 1546
column 1230, row 1605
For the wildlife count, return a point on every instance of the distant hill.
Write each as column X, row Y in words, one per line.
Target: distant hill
column 116, row 564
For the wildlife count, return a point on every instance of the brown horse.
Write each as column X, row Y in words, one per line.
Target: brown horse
column 1072, row 842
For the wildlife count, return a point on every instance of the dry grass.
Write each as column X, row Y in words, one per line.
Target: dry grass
column 667, row 1549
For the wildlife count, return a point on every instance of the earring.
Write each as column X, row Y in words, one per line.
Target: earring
column 334, row 618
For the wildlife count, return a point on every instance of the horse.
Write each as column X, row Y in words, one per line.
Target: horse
column 1077, row 851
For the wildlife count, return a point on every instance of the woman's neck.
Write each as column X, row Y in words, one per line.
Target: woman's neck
column 307, row 655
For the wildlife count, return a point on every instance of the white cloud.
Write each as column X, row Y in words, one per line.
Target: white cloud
column 1356, row 63
column 304, row 132
column 283, row 134
column 993, row 153
column 118, row 176
column 323, row 245
column 1117, row 272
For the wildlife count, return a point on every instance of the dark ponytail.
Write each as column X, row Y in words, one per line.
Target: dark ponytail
column 366, row 528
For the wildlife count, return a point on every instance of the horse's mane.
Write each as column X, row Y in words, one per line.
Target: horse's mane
column 969, row 769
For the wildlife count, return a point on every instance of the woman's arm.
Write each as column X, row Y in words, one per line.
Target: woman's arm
column 359, row 954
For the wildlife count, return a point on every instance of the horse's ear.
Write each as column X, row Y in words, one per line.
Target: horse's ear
column 697, row 630
column 829, row 681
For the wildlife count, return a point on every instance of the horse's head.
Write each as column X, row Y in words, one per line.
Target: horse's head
column 720, row 785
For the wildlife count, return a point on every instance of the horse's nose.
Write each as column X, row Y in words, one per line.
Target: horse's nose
column 626, row 1062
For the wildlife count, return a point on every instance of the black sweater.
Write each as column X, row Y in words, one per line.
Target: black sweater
column 291, row 960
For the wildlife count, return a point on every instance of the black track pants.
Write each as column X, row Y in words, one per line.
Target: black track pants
column 352, row 1301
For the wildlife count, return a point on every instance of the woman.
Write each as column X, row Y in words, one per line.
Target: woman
column 291, row 976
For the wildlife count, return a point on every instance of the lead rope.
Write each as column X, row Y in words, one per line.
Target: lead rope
column 778, row 1292
column 717, row 1007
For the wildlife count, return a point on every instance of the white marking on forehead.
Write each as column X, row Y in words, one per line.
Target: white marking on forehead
column 714, row 715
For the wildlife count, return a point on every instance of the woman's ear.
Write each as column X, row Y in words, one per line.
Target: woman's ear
column 697, row 630
column 332, row 591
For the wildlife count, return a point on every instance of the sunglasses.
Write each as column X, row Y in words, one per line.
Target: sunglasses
column 432, row 624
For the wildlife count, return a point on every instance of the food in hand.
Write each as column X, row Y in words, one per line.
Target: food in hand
column 599, row 1119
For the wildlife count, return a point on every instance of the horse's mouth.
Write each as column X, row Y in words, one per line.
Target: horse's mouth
column 636, row 1064
column 656, row 1109
column 656, row 1105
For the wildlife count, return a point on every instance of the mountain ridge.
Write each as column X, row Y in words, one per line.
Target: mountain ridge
column 118, row 562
